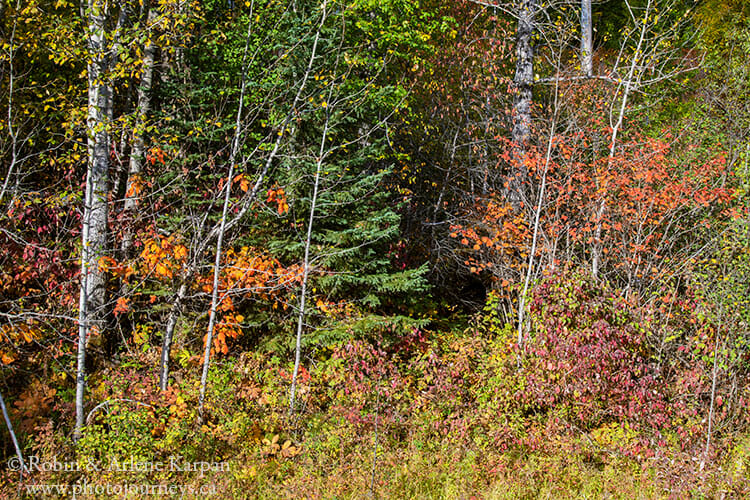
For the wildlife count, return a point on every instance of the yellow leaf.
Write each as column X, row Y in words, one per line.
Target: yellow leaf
column 163, row 270
column 180, row 252
column 27, row 333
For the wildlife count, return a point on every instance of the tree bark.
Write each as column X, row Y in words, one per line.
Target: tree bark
column 308, row 238
column 166, row 346
column 524, row 83
column 94, row 231
column 138, row 148
column 306, row 271
column 12, row 132
column 616, row 126
column 587, row 43
column 537, row 221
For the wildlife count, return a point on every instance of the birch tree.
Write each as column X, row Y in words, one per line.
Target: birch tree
column 308, row 239
column 235, row 149
column 646, row 57
column 94, row 231
column 22, row 464
column 10, row 54
column 587, row 42
column 138, row 147
column 237, row 211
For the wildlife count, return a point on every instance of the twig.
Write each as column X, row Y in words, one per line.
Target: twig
column 115, row 400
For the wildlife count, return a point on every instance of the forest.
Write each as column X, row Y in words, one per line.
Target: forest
column 418, row 249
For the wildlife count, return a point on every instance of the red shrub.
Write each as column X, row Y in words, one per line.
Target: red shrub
column 588, row 354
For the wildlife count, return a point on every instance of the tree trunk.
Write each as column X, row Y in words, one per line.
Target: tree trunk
column 166, row 346
column 215, row 301
column 524, row 82
column 629, row 84
column 537, row 220
column 138, row 148
column 94, row 231
column 308, row 238
column 12, row 132
column 587, row 43
column 306, row 273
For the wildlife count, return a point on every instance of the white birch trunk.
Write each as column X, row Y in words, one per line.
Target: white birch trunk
column 308, row 237
column 629, row 84
column 306, row 269
column 22, row 465
column 94, row 231
column 138, row 148
column 236, row 141
column 537, row 219
column 12, row 132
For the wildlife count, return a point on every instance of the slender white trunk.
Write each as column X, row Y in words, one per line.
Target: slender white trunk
column 138, row 149
column 94, row 230
column 166, row 346
column 714, row 377
column 189, row 270
column 537, row 218
column 245, row 206
column 306, row 268
column 236, row 141
column 597, row 247
column 308, row 237
column 22, row 465
column 12, row 132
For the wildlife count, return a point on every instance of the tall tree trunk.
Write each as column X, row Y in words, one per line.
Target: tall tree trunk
column 12, row 131
column 629, row 84
column 587, row 43
column 94, row 231
column 524, row 83
column 714, row 377
column 308, row 238
column 537, row 220
column 166, row 346
column 235, row 150
column 306, row 271
column 138, row 148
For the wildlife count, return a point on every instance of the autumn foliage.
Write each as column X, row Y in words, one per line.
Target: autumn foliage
column 205, row 204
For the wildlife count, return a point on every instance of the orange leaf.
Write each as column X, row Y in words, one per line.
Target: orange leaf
column 121, row 306
column 180, row 252
column 6, row 358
